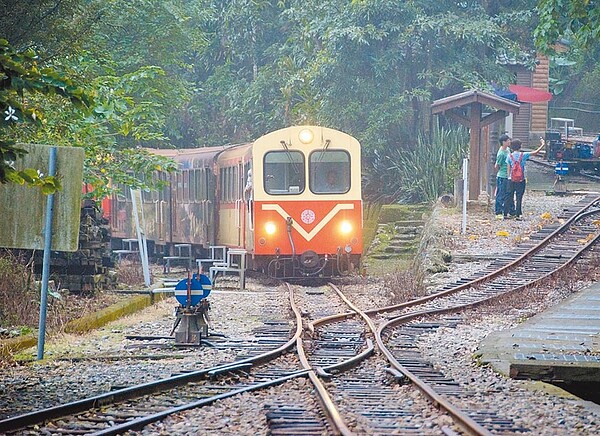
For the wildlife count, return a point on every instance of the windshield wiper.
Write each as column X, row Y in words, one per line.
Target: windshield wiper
column 289, row 155
column 325, row 147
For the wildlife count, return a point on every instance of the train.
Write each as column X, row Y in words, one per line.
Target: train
column 292, row 199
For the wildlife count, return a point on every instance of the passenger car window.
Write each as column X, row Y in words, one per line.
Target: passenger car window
column 329, row 171
column 284, row 173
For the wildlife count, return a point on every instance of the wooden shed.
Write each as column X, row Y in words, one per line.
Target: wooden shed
column 532, row 119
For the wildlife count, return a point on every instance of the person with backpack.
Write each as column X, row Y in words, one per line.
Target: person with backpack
column 516, row 177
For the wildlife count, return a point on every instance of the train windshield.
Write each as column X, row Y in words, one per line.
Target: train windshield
column 284, row 172
column 329, row 171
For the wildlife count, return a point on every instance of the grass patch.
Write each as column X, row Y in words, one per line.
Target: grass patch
column 20, row 295
column 405, row 285
column 130, row 273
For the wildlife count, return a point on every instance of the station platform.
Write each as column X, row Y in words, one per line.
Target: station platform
column 559, row 345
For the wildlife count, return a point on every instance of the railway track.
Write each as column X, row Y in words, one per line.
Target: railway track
column 551, row 250
column 547, row 252
column 136, row 406
column 340, row 346
column 337, row 359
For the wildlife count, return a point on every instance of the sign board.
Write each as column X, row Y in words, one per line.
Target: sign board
column 23, row 209
column 561, row 168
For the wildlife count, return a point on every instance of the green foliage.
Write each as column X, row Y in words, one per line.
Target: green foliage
column 20, row 77
column 561, row 72
column 209, row 72
column 576, row 20
column 51, row 27
column 569, row 32
column 584, row 97
column 21, row 74
column 108, row 166
column 589, row 87
column 125, row 111
column 420, row 174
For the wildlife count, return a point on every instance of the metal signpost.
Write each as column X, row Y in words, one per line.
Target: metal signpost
column 46, row 261
column 140, row 227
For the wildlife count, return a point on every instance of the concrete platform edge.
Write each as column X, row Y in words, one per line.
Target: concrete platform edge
column 558, row 344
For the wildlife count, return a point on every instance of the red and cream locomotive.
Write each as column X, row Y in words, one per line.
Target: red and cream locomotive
column 292, row 199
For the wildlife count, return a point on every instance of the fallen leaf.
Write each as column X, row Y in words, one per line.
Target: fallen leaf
column 587, row 239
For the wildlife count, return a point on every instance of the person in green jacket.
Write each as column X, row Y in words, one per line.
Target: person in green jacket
column 502, row 175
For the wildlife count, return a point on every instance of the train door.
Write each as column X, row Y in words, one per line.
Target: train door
column 177, row 200
column 160, row 211
column 209, row 193
column 229, row 206
column 170, row 211
column 240, row 208
column 248, row 206
column 232, row 208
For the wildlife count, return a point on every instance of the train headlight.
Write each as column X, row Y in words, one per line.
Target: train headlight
column 270, row 228
column 305, row 136
column 346, row 227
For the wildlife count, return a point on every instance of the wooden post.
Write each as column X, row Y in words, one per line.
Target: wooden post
column 475, row 152
column 486, row 165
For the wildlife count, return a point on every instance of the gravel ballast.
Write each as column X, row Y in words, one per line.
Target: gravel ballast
column 236, row 314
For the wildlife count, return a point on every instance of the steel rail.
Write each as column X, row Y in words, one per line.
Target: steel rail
column 333, row 415
column 323, row 371
column 494, row 273
column 20, row 421
column 139, row 423
column 335, row 318
column 310, row 326
column 459, row 416
column 465, row 422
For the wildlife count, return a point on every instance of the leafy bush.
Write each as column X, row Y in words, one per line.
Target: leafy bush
column 419, row 174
